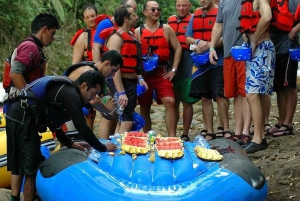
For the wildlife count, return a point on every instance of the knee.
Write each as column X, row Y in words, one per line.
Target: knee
column 169, row 102
column 206, row 101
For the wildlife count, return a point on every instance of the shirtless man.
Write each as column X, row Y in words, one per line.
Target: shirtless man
column 109, row 64
column 259, row 75
column 83, row 39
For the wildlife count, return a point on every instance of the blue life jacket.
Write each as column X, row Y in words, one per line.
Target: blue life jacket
column 39, row 86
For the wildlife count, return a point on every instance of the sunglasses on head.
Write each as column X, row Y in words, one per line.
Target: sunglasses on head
column 155, row 9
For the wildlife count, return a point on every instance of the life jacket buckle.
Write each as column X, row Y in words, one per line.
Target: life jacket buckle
column 24, row 104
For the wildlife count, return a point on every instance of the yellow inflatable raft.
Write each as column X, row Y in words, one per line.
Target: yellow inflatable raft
column 47, row 140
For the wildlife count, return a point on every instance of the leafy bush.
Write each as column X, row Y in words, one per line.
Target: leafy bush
column 16, row 16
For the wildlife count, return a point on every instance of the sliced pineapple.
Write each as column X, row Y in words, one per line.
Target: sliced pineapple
column 208, row 154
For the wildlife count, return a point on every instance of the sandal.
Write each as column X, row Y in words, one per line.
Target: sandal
column 243, row 139
column 203, row 132
column 220, row 132
column 185, row 138
column 274, row 129
column 212, row 135
column 227, row 132
column 287, row 131
column 267, row 130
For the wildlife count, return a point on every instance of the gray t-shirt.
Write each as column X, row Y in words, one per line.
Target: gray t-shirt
column 280, row 38
column 228, row 13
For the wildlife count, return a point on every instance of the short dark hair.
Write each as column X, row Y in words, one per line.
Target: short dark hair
column 114, row 57
column 44, row 19
column 120, row 14
column 88, row 6
column 92, row 79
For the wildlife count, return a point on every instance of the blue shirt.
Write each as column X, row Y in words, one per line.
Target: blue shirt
column 101, row 26
column 189, row 33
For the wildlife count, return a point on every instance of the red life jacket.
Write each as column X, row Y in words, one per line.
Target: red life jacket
column 204, row 23
column 128, row 50
column 179, row 25
column 90, row 39
column 248, row 18
column 31, row 73
column 158, row 43
column 297, row 14
column 282, row 18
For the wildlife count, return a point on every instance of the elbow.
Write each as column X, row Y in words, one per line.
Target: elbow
column 267, row 19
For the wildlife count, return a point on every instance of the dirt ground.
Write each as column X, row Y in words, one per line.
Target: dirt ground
column 280, row 163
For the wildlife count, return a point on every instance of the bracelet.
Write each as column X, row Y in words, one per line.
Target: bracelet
column 210, row 49
column 141, row 79
column 197, row 41
column 121, row 93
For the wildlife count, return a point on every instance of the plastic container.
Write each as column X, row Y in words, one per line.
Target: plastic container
column 199, row 140
column 85, row 111
column 140, row 90
column 241, row 53
column 150, row 63
column 138, row 122
column 200, row 59
column 295, row 54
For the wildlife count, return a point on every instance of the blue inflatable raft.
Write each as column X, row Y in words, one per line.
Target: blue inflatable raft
column 71, row 175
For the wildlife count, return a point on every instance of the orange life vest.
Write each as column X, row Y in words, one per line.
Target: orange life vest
column 90, row 39
column 30, row 74
column 282, row 18
column 128, row 50
column 248, row 18
column 179, row 25
column 204, row 23
column 157, row 42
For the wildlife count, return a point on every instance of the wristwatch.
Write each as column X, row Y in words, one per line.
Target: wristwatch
column 174, row 70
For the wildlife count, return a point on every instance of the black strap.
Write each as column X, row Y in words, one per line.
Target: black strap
column 88, row 39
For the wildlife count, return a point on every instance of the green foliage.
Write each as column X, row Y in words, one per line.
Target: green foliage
column 16, row 16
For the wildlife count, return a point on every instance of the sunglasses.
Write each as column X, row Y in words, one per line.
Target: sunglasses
column 155, row 9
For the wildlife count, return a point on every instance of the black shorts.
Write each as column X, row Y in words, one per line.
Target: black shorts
column 23, row 148
column 208, row 85
column 130, row 90
column 285, row 72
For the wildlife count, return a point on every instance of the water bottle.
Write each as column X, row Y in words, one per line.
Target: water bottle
column 105, row 99
column 94, row 156
column 119, row 107
column 199, row 140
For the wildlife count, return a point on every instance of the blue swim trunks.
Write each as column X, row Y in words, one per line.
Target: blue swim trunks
column 260, row 69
